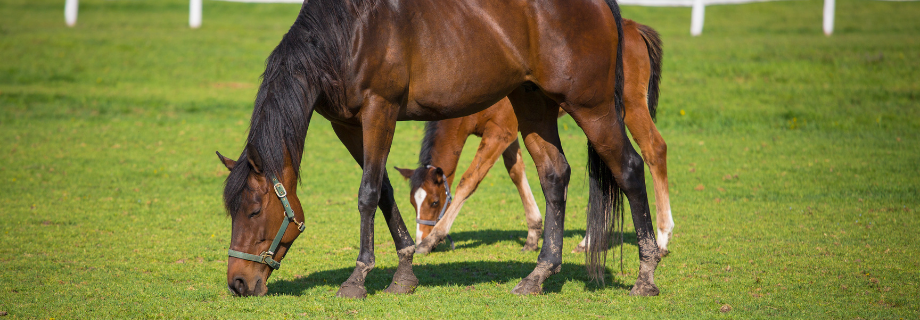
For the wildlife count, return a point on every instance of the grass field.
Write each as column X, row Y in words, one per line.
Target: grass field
column 794, row 164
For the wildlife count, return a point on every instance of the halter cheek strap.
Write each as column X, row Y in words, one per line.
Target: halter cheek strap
column 266, row 257
column 443, row 209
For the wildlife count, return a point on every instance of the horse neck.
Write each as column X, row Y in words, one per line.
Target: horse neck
column 442, row 145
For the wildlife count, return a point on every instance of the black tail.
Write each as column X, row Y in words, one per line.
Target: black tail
column 605, row 199
column 655, row 55
column 618, row 87
column 605, row 205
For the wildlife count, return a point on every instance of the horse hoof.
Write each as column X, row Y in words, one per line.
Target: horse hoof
column 402, row 286
column 578, row 249
column 664, row 253
column 351, row 291
column 644, row 290
column 527, row 287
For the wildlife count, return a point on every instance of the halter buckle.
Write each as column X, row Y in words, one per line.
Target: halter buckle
column 266, row 255
column 280, row 191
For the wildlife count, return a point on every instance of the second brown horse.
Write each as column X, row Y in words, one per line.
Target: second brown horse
column 497, row 126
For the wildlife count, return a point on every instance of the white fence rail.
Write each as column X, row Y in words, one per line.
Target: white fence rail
column 696, row 19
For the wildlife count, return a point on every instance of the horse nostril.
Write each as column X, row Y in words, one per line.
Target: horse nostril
column 238, row 286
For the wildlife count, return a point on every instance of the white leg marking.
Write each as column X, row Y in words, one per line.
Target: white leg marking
column 530, row 205
column 665, row 235
column 419, row 196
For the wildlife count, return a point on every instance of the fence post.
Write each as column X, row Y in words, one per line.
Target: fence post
column 828, row 17
column 194, row 14
column 697, row 17
column 70, row 12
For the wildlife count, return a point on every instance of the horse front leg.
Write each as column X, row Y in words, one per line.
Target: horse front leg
column 370, row 145
column 514, row 163
column 537, row 119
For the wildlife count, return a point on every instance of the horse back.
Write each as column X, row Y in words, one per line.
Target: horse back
column 443, row 59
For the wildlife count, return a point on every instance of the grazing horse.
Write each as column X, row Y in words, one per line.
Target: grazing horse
column 497, row 126
column 365, row 64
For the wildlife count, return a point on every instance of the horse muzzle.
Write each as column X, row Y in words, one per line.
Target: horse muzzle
column 239, row 286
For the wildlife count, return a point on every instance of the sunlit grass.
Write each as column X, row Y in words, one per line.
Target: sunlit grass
column 793, row 160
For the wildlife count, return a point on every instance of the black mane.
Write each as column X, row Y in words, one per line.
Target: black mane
column 306, row 68
column 424, row 156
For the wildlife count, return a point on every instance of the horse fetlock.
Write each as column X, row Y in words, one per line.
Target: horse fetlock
column 645, row 284
column 432, row 240
column 406, row 253
column 662, row 240
column 533, row 237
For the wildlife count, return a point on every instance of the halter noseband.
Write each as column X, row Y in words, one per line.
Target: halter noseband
column 443, row 208
column 266, row 257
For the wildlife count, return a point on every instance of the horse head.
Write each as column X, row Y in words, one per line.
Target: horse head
column 261, row 207
column 429, row 194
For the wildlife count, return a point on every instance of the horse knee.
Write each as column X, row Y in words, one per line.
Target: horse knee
column 367, row 199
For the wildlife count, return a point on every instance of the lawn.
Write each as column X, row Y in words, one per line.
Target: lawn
column 794, row 165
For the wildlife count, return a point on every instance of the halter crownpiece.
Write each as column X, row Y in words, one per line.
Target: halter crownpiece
column 266, row 256
column 443, row 208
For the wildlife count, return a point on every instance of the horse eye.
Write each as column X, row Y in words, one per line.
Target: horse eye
column 435, row 204
column 256, row 213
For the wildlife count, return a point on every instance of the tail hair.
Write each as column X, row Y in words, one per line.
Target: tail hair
column 605, row 205
column 655, row 55
column 618, row 86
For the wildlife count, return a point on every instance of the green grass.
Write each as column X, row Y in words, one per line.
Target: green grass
column 806, row 148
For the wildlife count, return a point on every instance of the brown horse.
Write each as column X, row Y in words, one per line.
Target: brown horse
column 365, row 64
column 498, row 128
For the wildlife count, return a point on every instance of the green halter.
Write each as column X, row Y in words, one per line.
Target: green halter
column 266, row 257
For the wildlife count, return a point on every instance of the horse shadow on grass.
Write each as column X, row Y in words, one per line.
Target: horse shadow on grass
column 462, row 274
column 478, row 238
column 469, row 273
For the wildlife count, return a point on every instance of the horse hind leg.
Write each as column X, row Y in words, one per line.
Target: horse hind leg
column 537, row 121
column 514, row 163
column 613, row 148
column 654, row 151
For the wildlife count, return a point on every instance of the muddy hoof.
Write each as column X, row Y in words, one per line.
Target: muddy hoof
column 404, row 285
column 352, row 291
column 644, row 290
column 664, row 253
column 526, row 287
column 578, row 249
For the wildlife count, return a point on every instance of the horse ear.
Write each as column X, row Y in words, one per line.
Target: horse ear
column 254, row 159
column 438, row 175
column 229, row 163
column 406, row 173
